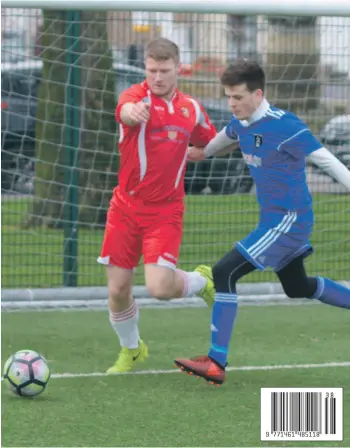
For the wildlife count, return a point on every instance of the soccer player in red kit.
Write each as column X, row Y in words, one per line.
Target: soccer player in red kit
column 157, row 124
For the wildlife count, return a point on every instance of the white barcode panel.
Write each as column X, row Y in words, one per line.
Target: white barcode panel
column 302, row 414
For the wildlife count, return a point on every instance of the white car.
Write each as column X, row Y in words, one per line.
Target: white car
column 336, row 137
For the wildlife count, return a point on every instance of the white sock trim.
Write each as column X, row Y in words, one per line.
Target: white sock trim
column 125, row 326
column 193, row 282
column 124, row 315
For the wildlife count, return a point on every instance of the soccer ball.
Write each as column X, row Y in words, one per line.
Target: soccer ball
column 26, row 373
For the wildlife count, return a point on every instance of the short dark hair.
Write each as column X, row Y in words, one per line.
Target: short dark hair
column 162, row 49
column 243, row 71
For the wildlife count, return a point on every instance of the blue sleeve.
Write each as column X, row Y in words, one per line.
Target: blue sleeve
column 298, row 140
column 230, row 130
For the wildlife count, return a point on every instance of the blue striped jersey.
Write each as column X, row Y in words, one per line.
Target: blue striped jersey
column 275, row 144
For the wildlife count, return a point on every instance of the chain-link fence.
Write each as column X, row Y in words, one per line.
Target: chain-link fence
column 62, row 73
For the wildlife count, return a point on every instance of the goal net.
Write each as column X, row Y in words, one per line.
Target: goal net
column 61, row 75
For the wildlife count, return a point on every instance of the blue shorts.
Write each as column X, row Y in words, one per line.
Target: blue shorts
column 274, row 247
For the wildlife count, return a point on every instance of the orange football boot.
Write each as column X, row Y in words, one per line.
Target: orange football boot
column 203, row 367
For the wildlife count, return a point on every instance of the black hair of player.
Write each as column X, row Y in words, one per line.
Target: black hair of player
column 244, row 71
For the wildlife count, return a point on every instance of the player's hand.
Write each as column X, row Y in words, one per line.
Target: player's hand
column 195, row 154
column 140, row 112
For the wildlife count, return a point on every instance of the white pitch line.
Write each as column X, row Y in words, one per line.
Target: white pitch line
column 228, row 369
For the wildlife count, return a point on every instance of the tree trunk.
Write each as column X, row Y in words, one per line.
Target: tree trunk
column 48, row 183
column 98, row 162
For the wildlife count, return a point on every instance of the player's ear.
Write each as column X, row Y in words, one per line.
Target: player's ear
column 259, row 93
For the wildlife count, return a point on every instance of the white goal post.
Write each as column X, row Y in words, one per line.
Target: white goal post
column 270, row 7
column 332, row 237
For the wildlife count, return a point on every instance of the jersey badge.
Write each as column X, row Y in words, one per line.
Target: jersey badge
column 185, row 112
column 258, row 140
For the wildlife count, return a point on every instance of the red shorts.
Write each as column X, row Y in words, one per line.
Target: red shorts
column 133, row 230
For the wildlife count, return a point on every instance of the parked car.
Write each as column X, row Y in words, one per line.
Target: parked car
column 222, row 175
column 336, row 137
column 19, row 89
column 13, row 45
column 19, row 85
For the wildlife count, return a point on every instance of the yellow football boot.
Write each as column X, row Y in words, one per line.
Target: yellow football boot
column 128, row 358
column 208, row 292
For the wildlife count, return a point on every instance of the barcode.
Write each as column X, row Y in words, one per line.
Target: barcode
column 302, row 414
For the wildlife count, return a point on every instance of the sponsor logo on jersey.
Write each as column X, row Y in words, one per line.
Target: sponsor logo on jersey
column 252, row 160
column 172, row 135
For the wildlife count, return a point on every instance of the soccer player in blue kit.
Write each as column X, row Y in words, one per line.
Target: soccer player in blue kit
column 275, row 144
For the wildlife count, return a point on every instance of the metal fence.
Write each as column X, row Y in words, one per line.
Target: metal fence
column 62, row 72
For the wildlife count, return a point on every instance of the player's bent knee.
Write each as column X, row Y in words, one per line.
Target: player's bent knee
column 160, row 290
column 220, row 273
column 299, row 290
column 230, row 268
column 294, row 293
column 160, row 282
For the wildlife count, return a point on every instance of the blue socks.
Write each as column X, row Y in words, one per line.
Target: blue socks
column 332, row 293
column 222, row 321
column 225, row 311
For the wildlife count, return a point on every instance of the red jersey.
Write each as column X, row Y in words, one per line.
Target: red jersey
column 154, row 154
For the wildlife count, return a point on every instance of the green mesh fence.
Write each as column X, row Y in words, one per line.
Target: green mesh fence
column 62, row 73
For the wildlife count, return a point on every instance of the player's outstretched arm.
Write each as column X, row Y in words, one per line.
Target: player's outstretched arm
column 329, row 163
column 227, row 150
column 133, row 114
column 221, row 144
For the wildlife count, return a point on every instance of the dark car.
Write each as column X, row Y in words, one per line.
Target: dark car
column 19, row 90
column 221, row 175
column 19, row 87
column 19, row 84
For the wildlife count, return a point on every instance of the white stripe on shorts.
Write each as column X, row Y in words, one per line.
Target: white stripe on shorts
column 272, row 235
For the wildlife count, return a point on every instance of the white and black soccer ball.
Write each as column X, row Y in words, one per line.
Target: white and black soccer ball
column 26, row 373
